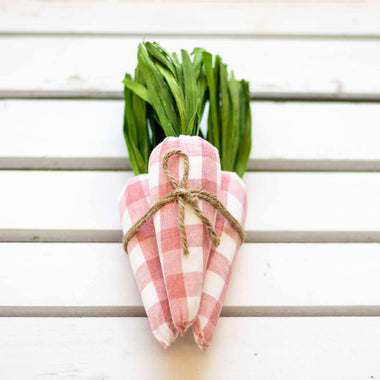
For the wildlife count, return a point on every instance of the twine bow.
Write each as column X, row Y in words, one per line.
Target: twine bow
column 183, row 195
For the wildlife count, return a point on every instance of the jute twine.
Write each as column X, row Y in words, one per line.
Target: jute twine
column 183, row 195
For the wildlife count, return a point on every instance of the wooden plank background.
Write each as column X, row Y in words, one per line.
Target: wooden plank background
column 304, row 300
column 286, row 135
column 101, row 282
column 71, row 65
column 297, row 206
column 196, row 17
column 119, row 348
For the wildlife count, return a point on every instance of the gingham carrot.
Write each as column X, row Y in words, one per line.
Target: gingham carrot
column 219, row 268
column 184, row 274
column 144, row 258
column 167, row 97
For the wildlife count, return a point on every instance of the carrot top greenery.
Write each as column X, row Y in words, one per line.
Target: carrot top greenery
column 167, row 97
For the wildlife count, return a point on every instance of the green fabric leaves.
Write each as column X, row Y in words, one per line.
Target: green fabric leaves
column 167, row 97
column 229, row 119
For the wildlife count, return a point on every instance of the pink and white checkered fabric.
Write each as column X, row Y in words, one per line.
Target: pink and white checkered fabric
column 184, row 275
column 144, row 259
column 233, row 195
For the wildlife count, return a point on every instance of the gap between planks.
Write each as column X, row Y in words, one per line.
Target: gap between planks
column 115, row 236
column 149, row 34
column 228, row 311
column 122, row 164
column 255, row 96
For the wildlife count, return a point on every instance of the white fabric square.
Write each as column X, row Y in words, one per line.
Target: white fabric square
column 213, row 284
column 193, row 306
column 149, row 295
column 234, row 206
column 190, row 216
column 157, row 223
column 136, row 257
column 164, row 335
column 227, row 246
column 195, row 167
column 203, row 321
column 126, row 222
column 193, row 262
column 154, row 175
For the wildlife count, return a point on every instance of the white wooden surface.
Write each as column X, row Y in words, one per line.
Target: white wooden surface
column 241, row 17
column 94, row 279
column 303, row 302
column 286, row 135
column 244, row 348
column 272, row 65
column 283, row 206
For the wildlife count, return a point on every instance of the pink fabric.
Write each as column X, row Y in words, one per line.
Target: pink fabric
column 233, row 195
column 144, row 259
column 184, row 275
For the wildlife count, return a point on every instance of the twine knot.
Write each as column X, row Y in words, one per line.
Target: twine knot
column 183, row 195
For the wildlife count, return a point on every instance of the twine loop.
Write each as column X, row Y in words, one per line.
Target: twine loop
column 183, row 195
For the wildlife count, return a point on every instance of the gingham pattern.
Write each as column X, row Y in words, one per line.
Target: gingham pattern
column 184, row 275
column 144, row 259
column 233, row 195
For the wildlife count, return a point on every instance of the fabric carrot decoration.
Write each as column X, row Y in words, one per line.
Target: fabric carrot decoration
column 187, row 212
column 144, row 259
column 184, row 271
column 233, row 195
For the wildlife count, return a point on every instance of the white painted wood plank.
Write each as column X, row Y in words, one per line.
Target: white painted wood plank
column 192, row 17
column 58, row 132
column 93, row 65
column 119, row 348
column 282, row 206
column 87, row 134
column 46, row 279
